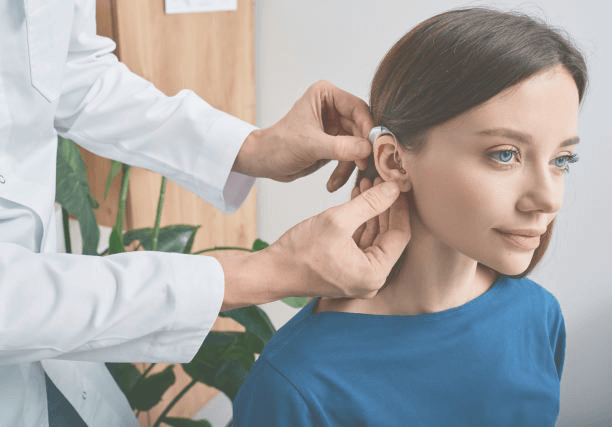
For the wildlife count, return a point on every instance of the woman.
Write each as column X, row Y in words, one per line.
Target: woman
column 481, row 108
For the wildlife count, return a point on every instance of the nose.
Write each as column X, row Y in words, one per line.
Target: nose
column 543, row 191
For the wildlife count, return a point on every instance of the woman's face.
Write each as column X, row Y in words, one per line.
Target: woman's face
column 493, row 175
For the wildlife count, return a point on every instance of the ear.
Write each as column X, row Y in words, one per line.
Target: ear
column 387, row 164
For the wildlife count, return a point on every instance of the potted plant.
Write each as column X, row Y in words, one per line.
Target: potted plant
column 224, row 358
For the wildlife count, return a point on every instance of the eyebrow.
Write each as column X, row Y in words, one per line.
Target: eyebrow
column 522, row 137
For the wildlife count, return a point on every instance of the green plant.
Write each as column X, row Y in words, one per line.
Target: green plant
column 225, row 358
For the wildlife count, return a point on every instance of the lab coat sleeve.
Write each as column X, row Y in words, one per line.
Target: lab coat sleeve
column 137, row 306
column 114, row 113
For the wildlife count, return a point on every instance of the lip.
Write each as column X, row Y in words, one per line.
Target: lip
column 527, row 232
column 522, row 239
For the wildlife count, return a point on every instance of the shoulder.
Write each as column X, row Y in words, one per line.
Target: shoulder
column 267, row 398
column 529, row 289
column 309, row 344
column 291, row 333
column 529, row 294
column 291, row 341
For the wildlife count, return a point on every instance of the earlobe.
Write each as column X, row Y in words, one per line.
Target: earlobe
column 388, row 161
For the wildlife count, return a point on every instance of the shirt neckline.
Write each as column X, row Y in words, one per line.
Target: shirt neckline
column 468, row 306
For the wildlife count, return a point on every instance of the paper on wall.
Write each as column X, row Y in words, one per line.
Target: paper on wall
column 191, row 6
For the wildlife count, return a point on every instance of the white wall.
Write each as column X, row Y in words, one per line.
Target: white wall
column 299, row 42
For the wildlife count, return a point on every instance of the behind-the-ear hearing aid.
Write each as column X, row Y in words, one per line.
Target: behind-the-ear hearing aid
column 378, row 131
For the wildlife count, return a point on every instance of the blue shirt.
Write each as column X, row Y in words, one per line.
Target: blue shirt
column 494, row 361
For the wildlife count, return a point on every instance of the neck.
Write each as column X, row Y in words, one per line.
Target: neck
column 432, row 277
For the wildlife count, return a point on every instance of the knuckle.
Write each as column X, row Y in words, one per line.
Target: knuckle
column 324, row 83
column 366, row 291
column 320, row 85
column 365, row 184
column 341, row 149
column 371, row 199
column 330, row 220
column 360, row 104
column 368, row 285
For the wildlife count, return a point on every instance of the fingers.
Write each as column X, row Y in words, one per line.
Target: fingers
column 367, row 205
column 391, row 242
column 386, row 250
column 357, row 234
column 340, row 175
column 371, row 227
column 350, row 128
column 367, row 233
column 394, row 235
column 348, row 106
column 362, row 164
column 346, row 116
column 383, row 218
column 341, row 147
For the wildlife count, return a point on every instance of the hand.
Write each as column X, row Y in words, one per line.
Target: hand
column 365, row 235
column 326, row 123
column 319, row 257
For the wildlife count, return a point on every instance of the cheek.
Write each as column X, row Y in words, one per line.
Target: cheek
column 457, row 204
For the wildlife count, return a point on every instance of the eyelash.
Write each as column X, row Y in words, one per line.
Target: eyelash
column 570, row 158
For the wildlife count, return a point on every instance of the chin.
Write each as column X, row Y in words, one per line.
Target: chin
column 510, row 266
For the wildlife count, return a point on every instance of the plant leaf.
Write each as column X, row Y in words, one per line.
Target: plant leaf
column 252, row 342
column 214, row 346
column 254, row 319
column 207, row 360
column 230, row 377
column 114, row 243
column 258, row 245
column 241, row 352
column 128, row 377
column 209, row 357
column 173, row 238
column 209, row 364
column 114, row 170
column 150, row 390
column 184, row 422
column 73, row 193
column 296, row 302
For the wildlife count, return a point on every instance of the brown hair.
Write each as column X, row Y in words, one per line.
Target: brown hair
column 457, row 60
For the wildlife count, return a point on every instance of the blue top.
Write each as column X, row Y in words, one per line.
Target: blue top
column 495, row 361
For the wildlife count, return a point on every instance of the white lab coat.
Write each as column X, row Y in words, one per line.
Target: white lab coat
column 68, row 313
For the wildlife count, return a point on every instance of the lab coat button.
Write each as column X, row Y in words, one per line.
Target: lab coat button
column 84, row 395
column 2, row 180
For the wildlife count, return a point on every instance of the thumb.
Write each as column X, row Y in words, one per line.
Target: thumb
column 341, row 147
column 389, row 245
column 367, row 205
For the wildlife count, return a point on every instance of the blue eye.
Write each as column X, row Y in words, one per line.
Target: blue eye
column 563, row 162
column 504, row 156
